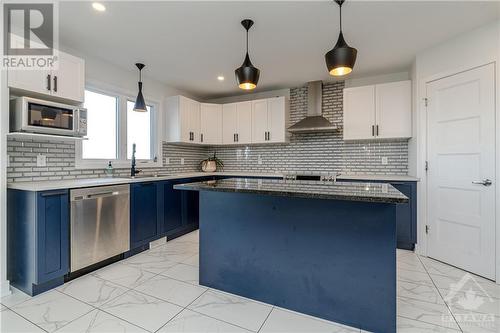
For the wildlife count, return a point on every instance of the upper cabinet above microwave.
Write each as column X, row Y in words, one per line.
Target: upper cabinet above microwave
column 381, row 111
column 65, row 82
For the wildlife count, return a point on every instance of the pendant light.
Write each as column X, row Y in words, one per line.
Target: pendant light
column 140, row 105
column 340, row 60
column 247, row 75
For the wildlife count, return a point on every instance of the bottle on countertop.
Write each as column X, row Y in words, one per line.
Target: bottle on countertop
column 109, row 169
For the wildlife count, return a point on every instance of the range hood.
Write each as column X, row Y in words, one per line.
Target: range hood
column 314, row 122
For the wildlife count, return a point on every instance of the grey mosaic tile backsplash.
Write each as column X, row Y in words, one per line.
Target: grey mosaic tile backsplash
column 305, row 152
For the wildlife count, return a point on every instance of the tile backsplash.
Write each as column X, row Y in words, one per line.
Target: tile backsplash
column 319, row 152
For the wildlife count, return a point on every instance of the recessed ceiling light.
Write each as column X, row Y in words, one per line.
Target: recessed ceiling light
column 220, row 78
column 98, row 6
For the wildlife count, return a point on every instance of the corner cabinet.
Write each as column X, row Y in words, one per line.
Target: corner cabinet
column 381, row 111
column 37, row 239
column 66, row 82
column 242, row 123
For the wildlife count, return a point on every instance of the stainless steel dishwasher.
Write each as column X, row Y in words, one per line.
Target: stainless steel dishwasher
column 100, row 226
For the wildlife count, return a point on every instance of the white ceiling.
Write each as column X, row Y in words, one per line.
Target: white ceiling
column 188, row 44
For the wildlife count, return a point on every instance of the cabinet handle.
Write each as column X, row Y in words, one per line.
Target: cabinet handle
column 55, row 83
column 265, row 136
column 377, row 130
column 234, row 137
column 48, row 83
column 373, row 130
column 268, row 136
column 201, row 137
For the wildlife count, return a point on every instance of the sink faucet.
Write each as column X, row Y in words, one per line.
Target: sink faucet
column 133, row 171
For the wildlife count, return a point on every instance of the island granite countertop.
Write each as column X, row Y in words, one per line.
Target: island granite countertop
column 350, row 191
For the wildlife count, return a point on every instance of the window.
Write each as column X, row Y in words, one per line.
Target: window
column 139, row 132
column 112, row 128
column 101, row 126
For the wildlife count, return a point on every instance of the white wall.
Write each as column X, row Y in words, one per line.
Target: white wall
column 466, row 51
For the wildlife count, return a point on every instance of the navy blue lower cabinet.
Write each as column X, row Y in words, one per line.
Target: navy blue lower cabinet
column 146, row 213
column 37, row 239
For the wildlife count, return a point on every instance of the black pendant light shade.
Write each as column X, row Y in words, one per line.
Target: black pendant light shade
column 140, row 104
column 247, row 76
column 341, row 59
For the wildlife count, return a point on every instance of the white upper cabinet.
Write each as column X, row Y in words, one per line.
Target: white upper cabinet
column 182, row 120
column 393, row 110
column 378, row 111
column 211, row 124
column 66, row 82
column 241, row 123
column 270, row 118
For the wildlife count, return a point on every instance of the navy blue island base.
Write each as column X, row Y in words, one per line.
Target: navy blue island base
column 333, row 259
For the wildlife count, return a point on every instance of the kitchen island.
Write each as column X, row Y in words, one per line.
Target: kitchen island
column 327, row 249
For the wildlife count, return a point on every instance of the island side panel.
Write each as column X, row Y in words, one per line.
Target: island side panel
column 327, row 258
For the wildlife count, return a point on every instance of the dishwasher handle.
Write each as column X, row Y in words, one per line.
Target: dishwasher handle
column 97, row 195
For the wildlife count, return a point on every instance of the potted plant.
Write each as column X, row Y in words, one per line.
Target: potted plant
column 211, row 164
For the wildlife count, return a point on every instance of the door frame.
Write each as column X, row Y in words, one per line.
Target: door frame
column 422, row 156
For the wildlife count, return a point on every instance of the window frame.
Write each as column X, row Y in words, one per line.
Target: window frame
column 121, row 160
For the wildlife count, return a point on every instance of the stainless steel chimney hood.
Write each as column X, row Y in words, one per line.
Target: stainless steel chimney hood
column 314, row 122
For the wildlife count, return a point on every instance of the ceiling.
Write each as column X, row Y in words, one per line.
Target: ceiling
column 188, row 44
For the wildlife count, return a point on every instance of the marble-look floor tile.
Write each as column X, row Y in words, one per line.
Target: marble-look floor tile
column 173, row 254
column 171, row 290
column 438, row 268
column 16, row 297
column 410, row 262
column 193, row 260
column 100, row 322
column 142, row 310
column 92, row 290
column 149, row 263
column 52, row 310
column 183, row 272
column 419, row 292
column 467, row 282
column 285, row 321
column 124, row 275
column 236, row 310
column 406, row 325
column 435, row 314
column 414, row 277
column 11, row 322
column 472, row 301
column 192, row 322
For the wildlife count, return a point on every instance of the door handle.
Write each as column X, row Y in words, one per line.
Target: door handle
column 55, row 83
column 48, row 82
column 484, row 182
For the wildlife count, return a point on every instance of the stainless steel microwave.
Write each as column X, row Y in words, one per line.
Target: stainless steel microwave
column 39, row 116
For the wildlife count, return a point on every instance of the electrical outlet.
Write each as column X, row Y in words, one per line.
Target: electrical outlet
column 167, row 160
column 182, row 160
column 259, row 160
column 41, row 160
column 384, row 160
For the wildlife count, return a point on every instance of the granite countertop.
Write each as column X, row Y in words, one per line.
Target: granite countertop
column 48, row 185
column 350, row 191
column 388, row 178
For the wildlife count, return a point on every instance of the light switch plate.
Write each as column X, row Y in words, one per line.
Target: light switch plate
column 41, row 160
column 384, row 160
column 182, row 160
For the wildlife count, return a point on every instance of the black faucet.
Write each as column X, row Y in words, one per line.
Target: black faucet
column 133, row 171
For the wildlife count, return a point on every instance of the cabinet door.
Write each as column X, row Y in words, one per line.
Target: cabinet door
column 211, row 124
column 184, row 110
column 244, row 133
column 229, row 123
column 194, row 121
column 172, row 207
column 393, row 109
column 259, row 121
column 68, row 81
column 277, row 119
column 52, row 235
column 143, row 214
column 359, row 113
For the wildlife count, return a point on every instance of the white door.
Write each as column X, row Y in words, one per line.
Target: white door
column 244, row 133
column 229, row 123
column 393, row 110
column 211, row 123
column 277, row 119
column 461, row 153
column 359, row 113
column 68, row 81
column 259, row 121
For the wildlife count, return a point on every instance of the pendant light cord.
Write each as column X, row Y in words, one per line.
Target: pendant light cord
column 247, row 41
column 340, row 5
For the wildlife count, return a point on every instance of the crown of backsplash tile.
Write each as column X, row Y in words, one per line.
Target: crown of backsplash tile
column 318, row 152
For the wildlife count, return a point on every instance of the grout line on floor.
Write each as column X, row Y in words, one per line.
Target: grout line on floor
column 267, row 317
